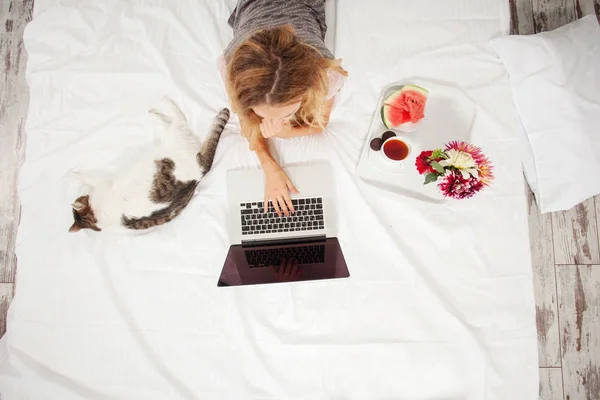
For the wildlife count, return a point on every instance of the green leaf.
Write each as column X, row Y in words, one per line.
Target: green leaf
column 430, row 177
column 436, row 165
column 438, row 153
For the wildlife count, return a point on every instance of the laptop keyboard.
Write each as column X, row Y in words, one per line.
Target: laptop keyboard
column 314, row 254
column 308, row 217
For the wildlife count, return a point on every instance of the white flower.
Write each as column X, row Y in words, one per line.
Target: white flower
column 462, row 161
column 465, row 173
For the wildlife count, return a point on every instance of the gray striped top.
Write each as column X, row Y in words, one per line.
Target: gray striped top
column 306, row 16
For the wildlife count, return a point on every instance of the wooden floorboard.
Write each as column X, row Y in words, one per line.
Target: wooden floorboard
column 14, row 101
column 579, row 311
column 542, row 256
column 586, row 7
column 576, row 235
column 521, row 16
column 551, row 14
column 597, row 203
column 6, row 294
column 551, row 384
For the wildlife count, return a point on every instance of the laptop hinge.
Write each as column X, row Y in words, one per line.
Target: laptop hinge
column 279, row 242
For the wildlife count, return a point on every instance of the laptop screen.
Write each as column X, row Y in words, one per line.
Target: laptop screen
column 289, row 262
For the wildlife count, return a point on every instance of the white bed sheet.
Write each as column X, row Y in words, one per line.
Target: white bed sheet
column 439, row 304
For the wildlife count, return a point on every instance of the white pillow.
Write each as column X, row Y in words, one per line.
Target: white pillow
column 555, row 78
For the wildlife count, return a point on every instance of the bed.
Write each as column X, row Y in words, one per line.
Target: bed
column 439, row 304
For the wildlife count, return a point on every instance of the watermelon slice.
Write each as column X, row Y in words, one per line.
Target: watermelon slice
column 415, row 98
column 395, row 98
column 404, row 105
column 393, row 117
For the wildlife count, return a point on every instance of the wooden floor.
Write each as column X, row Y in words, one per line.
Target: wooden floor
column 565, row 245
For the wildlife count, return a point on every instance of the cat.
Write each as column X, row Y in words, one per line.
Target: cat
column 157, row 185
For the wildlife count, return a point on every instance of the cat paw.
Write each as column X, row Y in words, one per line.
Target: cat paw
column 160, row 116
column 172, row 109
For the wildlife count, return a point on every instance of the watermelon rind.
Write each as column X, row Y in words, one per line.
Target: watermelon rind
column 392, row 98
column 389, row 114
column 386, row 122
column 397, row 101
column 415, row 88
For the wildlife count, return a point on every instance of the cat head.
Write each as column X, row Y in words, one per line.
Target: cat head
column 83, row 215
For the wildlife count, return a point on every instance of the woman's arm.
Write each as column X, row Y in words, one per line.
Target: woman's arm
column 277, row 184
column 263, row 153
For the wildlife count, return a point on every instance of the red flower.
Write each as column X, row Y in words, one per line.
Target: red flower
column 422, row 162
column 454, row 185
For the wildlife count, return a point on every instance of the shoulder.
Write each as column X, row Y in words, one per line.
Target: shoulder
column 222, row 66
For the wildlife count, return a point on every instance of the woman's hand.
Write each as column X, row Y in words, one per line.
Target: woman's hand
column 277, row 189
column 274, row 128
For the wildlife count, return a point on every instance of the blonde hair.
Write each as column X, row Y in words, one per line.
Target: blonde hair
column 273, row 67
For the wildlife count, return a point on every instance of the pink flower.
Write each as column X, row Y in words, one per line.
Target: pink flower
column 484, row 167
column 454, row 185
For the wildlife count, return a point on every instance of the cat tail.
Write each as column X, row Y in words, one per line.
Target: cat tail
column 207, row 154
column 182, row 195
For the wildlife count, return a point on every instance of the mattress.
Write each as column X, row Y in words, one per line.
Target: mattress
column 439, row 304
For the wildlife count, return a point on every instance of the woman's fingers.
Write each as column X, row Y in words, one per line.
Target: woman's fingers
column 277, row 206
column 288, row 202
column 276, row 126
column 263, row 130
column 266, row 130
column 292, row 187
column 270, row 127
column 283, row 206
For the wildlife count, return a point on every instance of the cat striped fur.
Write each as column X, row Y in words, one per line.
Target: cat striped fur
column 155, row 187
column 167, row 189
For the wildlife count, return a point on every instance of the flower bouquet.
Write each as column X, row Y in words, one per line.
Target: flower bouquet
column 461, row 169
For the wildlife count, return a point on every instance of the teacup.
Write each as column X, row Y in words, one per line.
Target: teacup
column 395, row 150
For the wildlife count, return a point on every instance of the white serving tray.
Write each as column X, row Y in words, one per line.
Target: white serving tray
column 449, row 115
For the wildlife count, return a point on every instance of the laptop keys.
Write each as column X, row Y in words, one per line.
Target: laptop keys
column 308, row 212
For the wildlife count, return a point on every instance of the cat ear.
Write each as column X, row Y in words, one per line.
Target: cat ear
column 81, row 203
column 78, row 206
column 74, row 227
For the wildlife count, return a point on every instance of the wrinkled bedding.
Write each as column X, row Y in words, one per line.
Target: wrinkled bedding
column 439, row 304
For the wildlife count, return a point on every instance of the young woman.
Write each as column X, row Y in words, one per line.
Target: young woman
column 281, row 80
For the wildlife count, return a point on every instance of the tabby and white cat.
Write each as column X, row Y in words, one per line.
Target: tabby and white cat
column 157, row 185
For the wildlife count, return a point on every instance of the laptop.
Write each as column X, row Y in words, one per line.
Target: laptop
column 267, row 248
